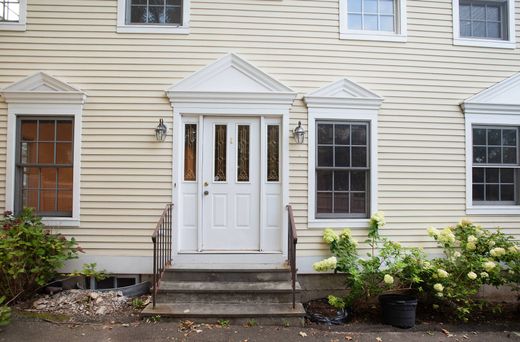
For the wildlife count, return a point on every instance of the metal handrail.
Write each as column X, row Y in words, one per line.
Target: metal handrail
column 162, row 248
column 292, row 241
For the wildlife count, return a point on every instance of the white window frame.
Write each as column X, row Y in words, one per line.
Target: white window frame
column 65, row 101
column 400, row 34
column 510, row 43
column 350, row 103
column 123, row 27
column 21, row 25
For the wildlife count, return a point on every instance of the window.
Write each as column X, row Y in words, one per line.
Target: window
column 153, row 16
column 12, row 15
column 495, row 165
column 44, row 166
column 373, row 19
column 484, row 23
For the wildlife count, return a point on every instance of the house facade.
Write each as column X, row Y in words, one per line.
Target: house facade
column 407, row 107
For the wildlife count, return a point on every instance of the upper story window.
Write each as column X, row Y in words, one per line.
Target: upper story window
column 373, row 19
column 153, row 16
column 484, row 23
column 12, row 15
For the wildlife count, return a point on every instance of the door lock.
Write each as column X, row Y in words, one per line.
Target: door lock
column 206, row 193
column 206, row 184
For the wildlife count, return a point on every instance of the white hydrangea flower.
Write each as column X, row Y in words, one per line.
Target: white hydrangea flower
column 442, row 273
column 472, row 275
column 388, row 279
column 491, row 243
column 513, row 249
column 439, row 294
column 489, row 265
column 329, row 236
column 456, row 254
column 325, row 265
column 446, row 236
column 378, row 218
column 470, row 246
column 511, row 272
column 497, row 252
column 438, row 287
column 345, row 234
column 433, row 232
column 484, row 275
column 472, row 238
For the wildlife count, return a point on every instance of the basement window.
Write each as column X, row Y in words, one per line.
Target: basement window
column 112, row 282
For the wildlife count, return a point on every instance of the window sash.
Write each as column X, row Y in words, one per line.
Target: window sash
column 10, row 11
column 503, row 10
column 147, row 6
column 363, row 14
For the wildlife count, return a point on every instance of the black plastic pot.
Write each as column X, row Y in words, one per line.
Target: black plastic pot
column 398, row 310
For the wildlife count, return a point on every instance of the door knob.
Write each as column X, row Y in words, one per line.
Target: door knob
column 206, row 193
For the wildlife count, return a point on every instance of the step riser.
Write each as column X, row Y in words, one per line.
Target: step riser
column 288, row 321
column 225, row 297
column 173, row 275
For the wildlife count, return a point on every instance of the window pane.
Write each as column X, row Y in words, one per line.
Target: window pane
column 465, row 28
column 386, row 7
column 465, row 11
column 220, row 152
column 47, row 200
column 31, row 178
column 494, row 155
column 354, row 22
column 358, row 180
column 492, row 192
column 341, row 202
column 30, row 199
column 173, row 2
column 493, row 30
column 173, row 15
column 478, row 12
column 324, row 180
column 156, row 2
column 64, row 131
column 342, row 155
column 273, row 153
column 509, row 137
column 342, row 134
column 46, row 153
column 155, row 14
column 63, row 153
column 324, row 202
column 46, row 131
column 359, row 135
column 325, row 156
column 507, row 192
column 370, row 6
column 370, row 23
column 492, row 175
column 65, row 201
column 492, row 13
column 494, row 136
column 354, row 6
column 28, row 130
column 243, row 154
column 138, row 14
column 479, row 155
column 507, row 175
column 48, row 178
column 325, row 134
column 478, row 175
column 479, row 136
column 190, row 152
column 139, row 2
column 28, row 153
column 478, row 192
column 479, row 29
column 65, row 177
column 359, row 156
column 341, row 180
column 357, row 203
column 386, row 23
column 509, row 155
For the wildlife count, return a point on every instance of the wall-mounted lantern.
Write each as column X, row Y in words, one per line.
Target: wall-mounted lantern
column 160, row 131
column 299, row 133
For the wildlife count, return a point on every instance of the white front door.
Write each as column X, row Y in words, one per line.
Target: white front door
column 231, row 184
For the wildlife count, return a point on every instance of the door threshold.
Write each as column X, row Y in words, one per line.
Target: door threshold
column 229, row 252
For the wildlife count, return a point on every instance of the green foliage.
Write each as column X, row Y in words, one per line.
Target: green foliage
column 138, row 304
column 224, row 323
column 29, row 253
column 251, row 322
column 5, row 313
column 89, row 270
column 474, row 256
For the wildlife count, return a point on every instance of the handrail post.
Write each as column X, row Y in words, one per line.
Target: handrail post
column 291, row 250
column 162, row 248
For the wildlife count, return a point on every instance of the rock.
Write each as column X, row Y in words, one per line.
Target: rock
column 94, row 295
column 99, row 300
column 101, row 310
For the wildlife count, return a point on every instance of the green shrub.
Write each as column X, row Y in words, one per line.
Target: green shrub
column 89, row 270
column 474, row 256
column 29, row 253
column 5, row 312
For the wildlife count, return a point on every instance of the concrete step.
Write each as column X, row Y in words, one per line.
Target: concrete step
column 226, row 292
column 227, row 274
column 262, row 314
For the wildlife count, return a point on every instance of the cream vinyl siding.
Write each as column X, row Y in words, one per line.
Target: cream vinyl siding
column 126, row 175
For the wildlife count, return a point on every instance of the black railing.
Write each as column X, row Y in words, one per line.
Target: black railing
column 162, row 248
column 293, row 240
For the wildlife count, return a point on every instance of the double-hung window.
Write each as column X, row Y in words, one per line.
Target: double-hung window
column 342, row 169
column 13, row 14
column 153, row 16
column 484, row 23
column 495, row 165
column 44, row 165
column 373, row 19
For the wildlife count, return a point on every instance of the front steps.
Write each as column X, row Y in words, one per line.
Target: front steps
column 238, row 295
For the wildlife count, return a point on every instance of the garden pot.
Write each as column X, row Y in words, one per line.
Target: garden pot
column 398, row 310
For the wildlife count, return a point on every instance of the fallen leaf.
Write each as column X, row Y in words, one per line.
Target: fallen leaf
column 379, row 339
column 302, row 334
column 348, row 338
column 446, row 332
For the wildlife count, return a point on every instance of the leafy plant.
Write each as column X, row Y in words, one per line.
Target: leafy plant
column 30, row 253
column 5, row 313
column 138, row 304
column 89, row 270
column 224, row 323
column 251, row 322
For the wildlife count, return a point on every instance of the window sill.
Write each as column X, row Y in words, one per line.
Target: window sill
column 153, row 29
column 339, row 223
column 503, row 44
column 60, row 221
column 12, row 27
column 375, row 36
column 493, row 210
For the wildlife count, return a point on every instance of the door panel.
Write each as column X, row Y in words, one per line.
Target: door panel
column 231, row 184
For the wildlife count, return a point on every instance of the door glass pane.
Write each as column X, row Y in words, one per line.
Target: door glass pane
column 243, row 154
column 220, row 153
column 273, row 153
column 190, row 152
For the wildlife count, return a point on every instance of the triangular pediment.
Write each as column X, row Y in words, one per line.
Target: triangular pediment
column 506, row 92
column 229, row 74
column 343, row 92
column 42, row 86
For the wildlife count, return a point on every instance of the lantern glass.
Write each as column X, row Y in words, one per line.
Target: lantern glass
column 160, row 131
column 299, row 134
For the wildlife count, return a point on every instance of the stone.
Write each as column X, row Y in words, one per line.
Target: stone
column 94, row 295
column 101, row 310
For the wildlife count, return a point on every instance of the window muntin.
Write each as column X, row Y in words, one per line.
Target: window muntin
column 190, row 152
column 44, row 166
column 342, row 169
column 9, row 11
column 154, row 12
column 484, row 19
column 495, row 165
column 372, row 15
